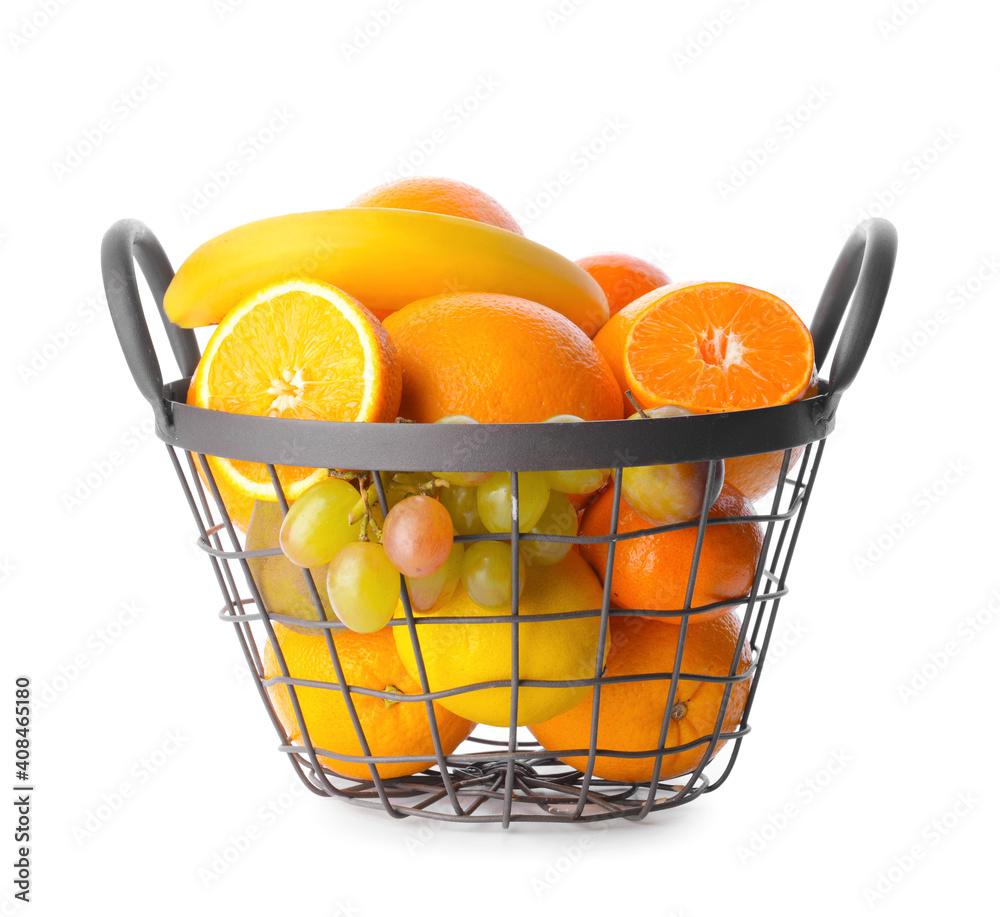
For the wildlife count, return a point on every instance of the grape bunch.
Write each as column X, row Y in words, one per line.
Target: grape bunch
column 338, row 521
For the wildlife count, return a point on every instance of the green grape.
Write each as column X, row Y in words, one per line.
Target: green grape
column 375, row 522
column 559, row 518
column 667, row 494
column 431, row 593
column 317, row 524
column 418, row 535
column 486, row 573
column 363, row 586
column 493, row 500
column 463, row 508
column 461, row 478
column 575, row 482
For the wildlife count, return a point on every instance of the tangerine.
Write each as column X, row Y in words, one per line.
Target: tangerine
column 624, row 278
column 651, row 571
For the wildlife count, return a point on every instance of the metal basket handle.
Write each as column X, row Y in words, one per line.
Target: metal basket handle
column 125, row 243
column 860, row 277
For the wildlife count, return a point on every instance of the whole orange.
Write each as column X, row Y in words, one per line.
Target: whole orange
column 651, row 571
column 439, row 195
column 368, row 661
column 624, row 278
column 632, row 712
column 497, row 359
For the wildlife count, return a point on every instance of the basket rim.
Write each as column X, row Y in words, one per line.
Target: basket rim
column 493, row 446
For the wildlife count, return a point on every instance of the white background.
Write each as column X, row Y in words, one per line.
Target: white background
column 656, row 111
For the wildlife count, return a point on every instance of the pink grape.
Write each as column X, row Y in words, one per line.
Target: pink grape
column 417, row 535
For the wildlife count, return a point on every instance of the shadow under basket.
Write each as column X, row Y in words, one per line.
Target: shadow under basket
column 501, row 774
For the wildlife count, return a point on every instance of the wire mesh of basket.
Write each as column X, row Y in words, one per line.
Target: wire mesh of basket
column 503, row 774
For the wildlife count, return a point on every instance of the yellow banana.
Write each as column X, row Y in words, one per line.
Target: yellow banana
column 385, row 259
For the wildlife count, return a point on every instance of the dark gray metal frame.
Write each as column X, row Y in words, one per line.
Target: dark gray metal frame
column 515, row 779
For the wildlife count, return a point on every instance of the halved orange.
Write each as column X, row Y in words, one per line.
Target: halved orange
column 298, row 349
column 610, row 340
column 715, row 346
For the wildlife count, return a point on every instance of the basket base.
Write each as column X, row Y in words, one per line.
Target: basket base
column 544, row 790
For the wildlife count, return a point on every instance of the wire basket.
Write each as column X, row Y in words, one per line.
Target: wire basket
column 504, row 775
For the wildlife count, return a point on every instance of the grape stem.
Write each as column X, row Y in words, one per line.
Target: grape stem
column 357, row 511
column 369, row 516
column 410, row 490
